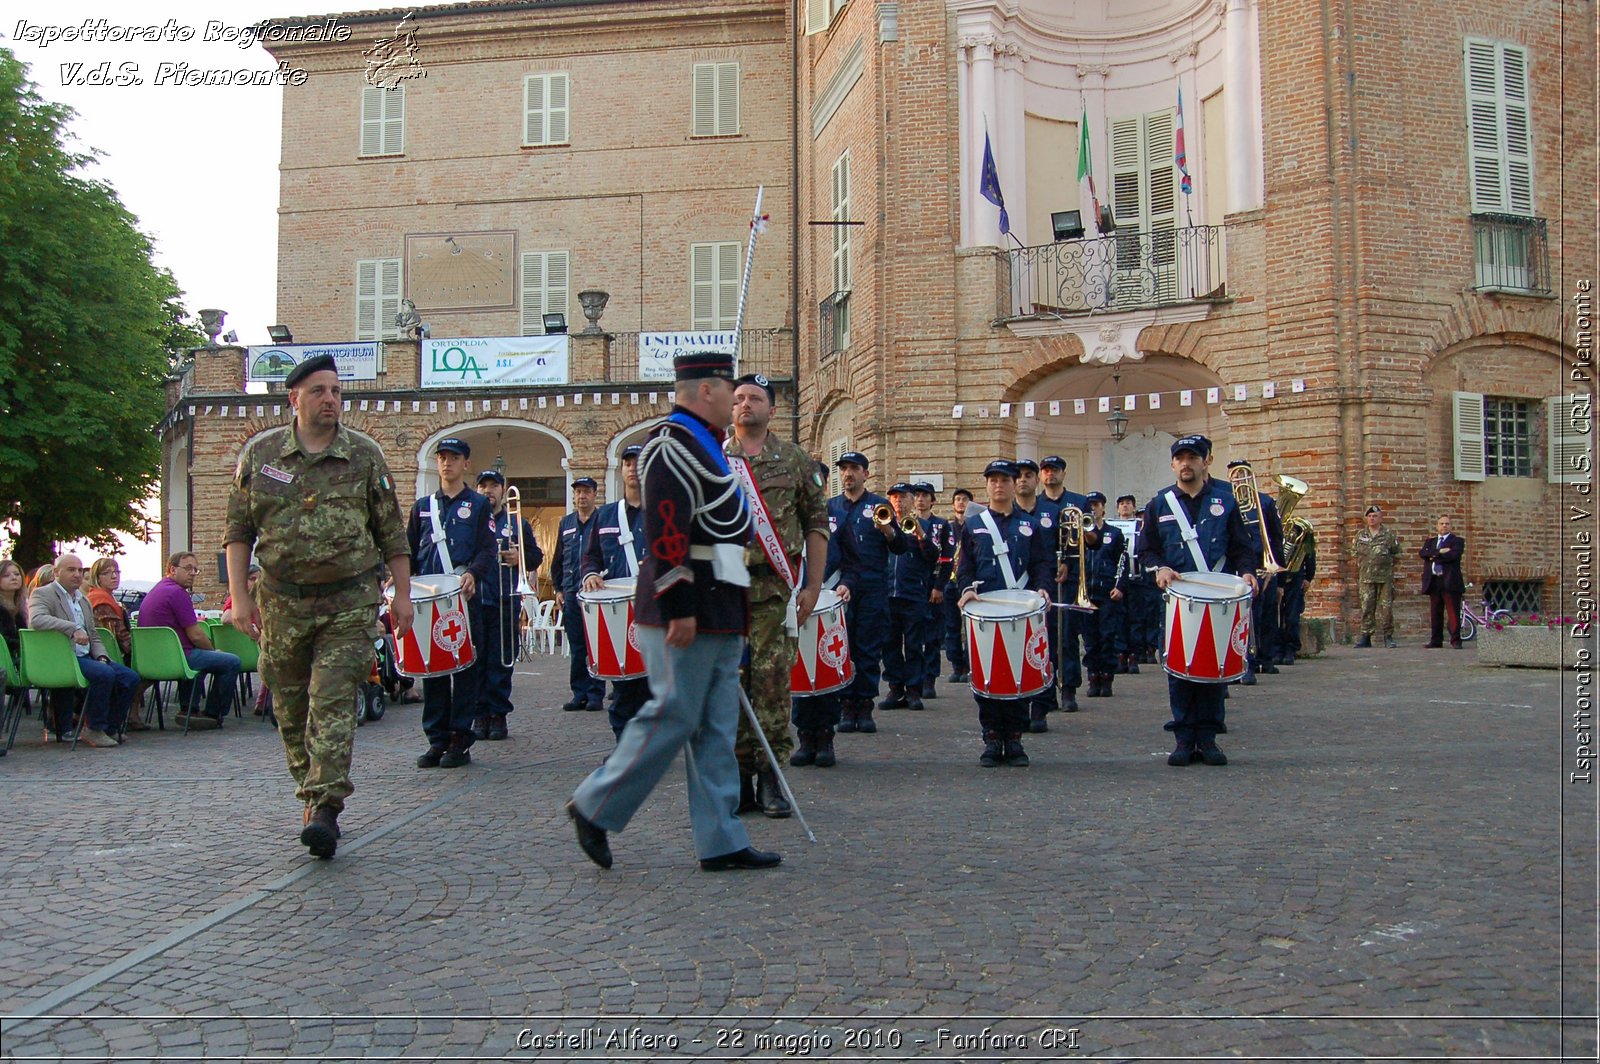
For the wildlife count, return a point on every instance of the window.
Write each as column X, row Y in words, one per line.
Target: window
column 544, row 288
column 1144, row 196
column 820, row 14
column 1518, row 596
column 544, row 109
column 1507, row 439
column 377, row 299
column 1499, row 128
column 840, row 316
column 713, row 285
column 716, row 100
column 383, row 120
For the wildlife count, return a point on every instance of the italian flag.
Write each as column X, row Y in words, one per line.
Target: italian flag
column 1088, row 202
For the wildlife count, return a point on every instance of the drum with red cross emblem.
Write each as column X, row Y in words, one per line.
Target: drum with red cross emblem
column 1008, row 644
column 608, row 628
column 1208, row 627
column 822, row 664
column 440, row 640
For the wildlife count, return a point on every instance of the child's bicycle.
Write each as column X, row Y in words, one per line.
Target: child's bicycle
column 1470, row 619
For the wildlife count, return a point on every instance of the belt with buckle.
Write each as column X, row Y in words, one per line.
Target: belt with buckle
column 332, row 587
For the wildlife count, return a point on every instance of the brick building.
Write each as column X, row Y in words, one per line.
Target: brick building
column 1374, row 241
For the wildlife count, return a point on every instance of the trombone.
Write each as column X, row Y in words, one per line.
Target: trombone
column 509, row 655
column 1073, row 539
column 1243, row 481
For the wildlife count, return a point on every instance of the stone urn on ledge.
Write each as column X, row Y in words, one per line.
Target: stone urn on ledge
column 593, row 301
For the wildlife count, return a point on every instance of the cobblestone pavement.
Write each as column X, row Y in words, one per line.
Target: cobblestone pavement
column 1394, row 864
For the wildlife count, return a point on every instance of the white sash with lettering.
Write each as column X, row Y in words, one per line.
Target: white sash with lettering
column 1002, row 553
column 439, row 539
column 767, row 536
column 1191, row 538
column 625, row 537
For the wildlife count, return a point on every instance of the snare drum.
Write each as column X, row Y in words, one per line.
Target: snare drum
column 1207, row 627
column 822, row 665
column 609, row 631
column 440, row 640
column 1008, row 644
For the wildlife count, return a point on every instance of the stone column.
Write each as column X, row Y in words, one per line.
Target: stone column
column 1244, row 155
column 985, row 228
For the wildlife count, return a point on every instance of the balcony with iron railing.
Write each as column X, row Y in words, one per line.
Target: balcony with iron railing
column 1130, row 269
column 1511, row 253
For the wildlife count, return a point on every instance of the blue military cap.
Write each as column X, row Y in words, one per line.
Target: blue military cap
column 1054, row 461
column 586, row 482
column 1237, row 462
column 1026, row 463
column 1000, row 468
column 632, row 451
column 1194, row 443
column 1126, row 498
column 494, row 475
column 1095, row 496
column 454, row 445
column 852, row 458
column 314, row 364
column 904, row 488
column 923, row 487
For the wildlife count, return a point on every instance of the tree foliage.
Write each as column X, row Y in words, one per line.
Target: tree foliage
column 89, row 329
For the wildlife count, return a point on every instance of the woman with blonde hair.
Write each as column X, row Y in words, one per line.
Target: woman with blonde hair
column 105, row 576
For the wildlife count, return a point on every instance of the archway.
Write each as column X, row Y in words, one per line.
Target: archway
column 626, row 438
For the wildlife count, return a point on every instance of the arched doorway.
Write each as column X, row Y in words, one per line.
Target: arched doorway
column 1140, row 462
column 626, row 438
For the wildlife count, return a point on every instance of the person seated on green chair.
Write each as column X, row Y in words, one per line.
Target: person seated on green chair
column 169, row 605
column 105, row 576
column 263, row 696
column 62, row 607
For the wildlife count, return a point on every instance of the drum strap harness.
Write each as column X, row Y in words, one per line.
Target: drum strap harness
column 439, row 540
column 1191, row 538
column 767, row 536
column 1002, row 553
column 625, row 537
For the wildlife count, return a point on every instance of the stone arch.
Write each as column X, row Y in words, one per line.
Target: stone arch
column 638, row 432
column 1531, row 323
column 480, row 435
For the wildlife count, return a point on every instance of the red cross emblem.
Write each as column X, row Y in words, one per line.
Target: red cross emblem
column 449, row 631
column 833, row 646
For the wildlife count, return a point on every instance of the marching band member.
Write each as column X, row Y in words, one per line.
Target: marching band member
column 1141, row 613
column 1108, row 592
column 502, row 608
column 692, row 613
column 566, row 575
column 1264, row 606
column 1064, row 648
column 955, row 639
column 1003, row 547
column 613, row 553
column 1195, row 526
column 937, row 529
column 910, row 581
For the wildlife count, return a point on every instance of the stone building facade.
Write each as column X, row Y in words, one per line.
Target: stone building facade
column 1377, row 244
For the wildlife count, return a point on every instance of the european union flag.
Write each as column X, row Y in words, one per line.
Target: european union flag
column 989, row 186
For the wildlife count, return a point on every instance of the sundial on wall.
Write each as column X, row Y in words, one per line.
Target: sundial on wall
column 461, row 271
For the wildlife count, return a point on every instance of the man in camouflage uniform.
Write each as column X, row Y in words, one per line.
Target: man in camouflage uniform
column 796, row 500
column 1375, row 551
column 317, row 503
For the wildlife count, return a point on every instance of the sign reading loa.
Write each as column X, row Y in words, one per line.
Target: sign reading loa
column 495, row 362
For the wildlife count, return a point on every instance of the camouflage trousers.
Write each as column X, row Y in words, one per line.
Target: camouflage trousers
column 313, row 664
column 1377, row 608
column 766, row 680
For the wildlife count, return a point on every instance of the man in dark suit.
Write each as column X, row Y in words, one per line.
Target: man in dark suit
column 1441, row 582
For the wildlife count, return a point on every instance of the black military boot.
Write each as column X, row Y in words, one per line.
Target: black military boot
column 928, row 691
column 864, row 722
column 1094, row 685
column 824, row 741
column 1133, row 664
column 1071, row 705
column 456, row 755
column 320, row 834
column 805, row 751
column 914, row 701
column 1106, row 680
column 896, row 698
column 1122, row 662
column 747, row 793
column 1364, row 642
column 1014, row 754
column 847, row 715
column 769, row 795
column 1036, row 718
column 993, row 750
column 480, row 728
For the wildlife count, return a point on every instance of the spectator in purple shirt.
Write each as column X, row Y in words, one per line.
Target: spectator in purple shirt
column 169, row 605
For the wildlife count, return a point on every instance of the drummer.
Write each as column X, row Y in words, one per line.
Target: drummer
column 613, row 554
column 449, row 533
column 1195, row 526
column 1027, row 561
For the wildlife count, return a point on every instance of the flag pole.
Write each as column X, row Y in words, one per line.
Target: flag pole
column 757, row 224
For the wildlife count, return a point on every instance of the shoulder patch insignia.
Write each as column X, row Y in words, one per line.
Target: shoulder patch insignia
column 816, row 478
column 1216, row 509
column 1025, row 529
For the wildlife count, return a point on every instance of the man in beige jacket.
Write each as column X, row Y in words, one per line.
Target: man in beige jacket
column 62, row 607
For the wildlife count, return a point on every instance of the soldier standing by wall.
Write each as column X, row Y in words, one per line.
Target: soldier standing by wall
column 316, row 501
column 1375, row 551
column 793, row 493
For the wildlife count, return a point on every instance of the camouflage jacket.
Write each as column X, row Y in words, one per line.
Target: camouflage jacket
column 324, row 518
column 796, row 498
column 1375, row 553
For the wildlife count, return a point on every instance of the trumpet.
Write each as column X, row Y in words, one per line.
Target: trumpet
column 509, row 654
column 883, row 514
column 1073, row 539
column 1243, row 481
column 909, row 525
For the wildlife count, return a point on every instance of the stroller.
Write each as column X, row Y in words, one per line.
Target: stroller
column 381, row 686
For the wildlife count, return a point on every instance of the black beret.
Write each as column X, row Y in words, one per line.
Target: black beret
column 760, row 381
column 314, row 364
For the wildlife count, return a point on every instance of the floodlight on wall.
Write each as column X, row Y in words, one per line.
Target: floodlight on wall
column 230, row 337
column 1067, row 225
column 280, row 334
column 555, row 323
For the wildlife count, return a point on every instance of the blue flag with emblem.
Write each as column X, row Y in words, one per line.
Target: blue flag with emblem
column 989, row 186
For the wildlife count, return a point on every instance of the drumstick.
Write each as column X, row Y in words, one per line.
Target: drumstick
column 772, row 759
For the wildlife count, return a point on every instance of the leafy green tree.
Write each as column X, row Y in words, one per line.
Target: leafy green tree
column 89, row 329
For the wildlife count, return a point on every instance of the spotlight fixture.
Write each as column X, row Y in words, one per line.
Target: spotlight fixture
column 280, row 334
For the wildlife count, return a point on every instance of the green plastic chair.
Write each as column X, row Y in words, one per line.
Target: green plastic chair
column 113, row 648
column 11, row 715
column 229, row 640
column 50, row 664
column 158, row 657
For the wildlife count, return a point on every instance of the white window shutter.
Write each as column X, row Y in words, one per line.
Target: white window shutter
column 1467, row 414
column 836, row 449
column 367, row 300
column 705, row 100
column 818, row 14
column 388, row 298
column 728, row 271
column 727, row 99
column 1519, row 129
column 1569, row 421
column 1126, row 172
column 1499, row 128
column 371, row 120
column 532, row 293
column 557, row 126
column 533, row 108
column 841, row 233
column 703, row 286
column 556, row 273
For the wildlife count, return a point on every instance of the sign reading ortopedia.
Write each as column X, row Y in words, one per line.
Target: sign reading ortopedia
column 495, row 361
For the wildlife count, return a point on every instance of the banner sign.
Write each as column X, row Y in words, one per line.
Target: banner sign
column 495, row 361
column 657, row 350
column 356, row 362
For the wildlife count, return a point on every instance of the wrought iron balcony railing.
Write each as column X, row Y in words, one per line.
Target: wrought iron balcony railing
column 1510, row 253
column 1131, row 269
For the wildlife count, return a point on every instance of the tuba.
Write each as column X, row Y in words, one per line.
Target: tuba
column 1243, row 481
column 1299, row 540
column 1290, row 492
column 1073, row 540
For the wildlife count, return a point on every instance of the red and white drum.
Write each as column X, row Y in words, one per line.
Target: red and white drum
column 822, row 665
column 609, row 631
column 440, row 640
column 1008, row 643
column 1207, row 631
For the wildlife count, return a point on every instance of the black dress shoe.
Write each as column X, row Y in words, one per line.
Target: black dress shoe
column 591, row 838
column 1181, row 755
column 1211, row 754
column 914, row 703
column 896, row 698
column 928, row 691
column 480, row 728
column 1269, row 668
column 961, row 677
column 573, row 705
column 431, row 757
column 749, row 857
column 1287, row 659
